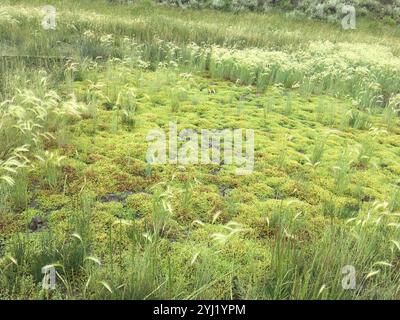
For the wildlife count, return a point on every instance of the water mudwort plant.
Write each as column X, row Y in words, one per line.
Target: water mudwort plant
column 218, row 150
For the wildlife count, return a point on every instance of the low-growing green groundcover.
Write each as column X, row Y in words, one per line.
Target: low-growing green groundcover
column 317, row 218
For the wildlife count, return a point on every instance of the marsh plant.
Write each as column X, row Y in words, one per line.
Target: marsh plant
column 50, row 165
column 162, row 210
column 187, row 195
column 282, row 158
column 391, row 113
column 12, row 180
column 319, row 109
column 342, row 172
column 365, row 151
column 19, row 193
column 318, row 151
column 356, row 119
column 394, row 201
column 288, row 109
column 128, row 112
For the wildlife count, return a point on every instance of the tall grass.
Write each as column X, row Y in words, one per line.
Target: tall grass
column 317, row 273
column 157, row 38
column 342, row 171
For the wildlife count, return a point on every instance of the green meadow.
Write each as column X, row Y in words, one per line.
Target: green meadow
column 78, row 195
